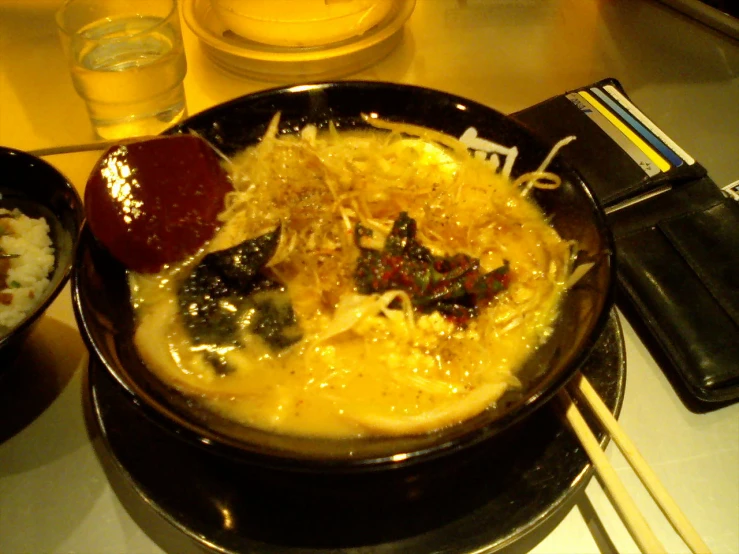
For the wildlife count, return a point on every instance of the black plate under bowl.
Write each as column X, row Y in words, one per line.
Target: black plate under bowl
column 39, row 190
column 105, row 316
column 508, row 492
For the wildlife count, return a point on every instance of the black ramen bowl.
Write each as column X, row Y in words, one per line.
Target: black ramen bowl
column 38, row 190
column 101, row 295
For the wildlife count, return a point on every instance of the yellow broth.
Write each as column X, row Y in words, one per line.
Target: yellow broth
column 362, row 368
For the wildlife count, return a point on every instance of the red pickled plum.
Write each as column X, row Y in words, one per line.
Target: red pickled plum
column 155, row 202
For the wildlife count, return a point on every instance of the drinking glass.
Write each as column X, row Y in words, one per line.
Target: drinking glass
column 127, row 62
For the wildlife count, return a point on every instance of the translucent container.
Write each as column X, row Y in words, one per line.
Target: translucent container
column 300, row 23
column 253, row 59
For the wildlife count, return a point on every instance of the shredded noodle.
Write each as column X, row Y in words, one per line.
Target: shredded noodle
column 370, row 364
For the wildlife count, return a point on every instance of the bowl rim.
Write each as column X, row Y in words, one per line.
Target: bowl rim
column 55, row 286
column 276, row 458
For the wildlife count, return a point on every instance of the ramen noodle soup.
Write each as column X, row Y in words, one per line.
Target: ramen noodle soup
column 381, row 282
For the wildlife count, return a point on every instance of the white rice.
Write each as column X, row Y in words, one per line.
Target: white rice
column 28, row 276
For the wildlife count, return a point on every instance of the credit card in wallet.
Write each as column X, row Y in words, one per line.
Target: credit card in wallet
column 619, row 151
column 677, row 245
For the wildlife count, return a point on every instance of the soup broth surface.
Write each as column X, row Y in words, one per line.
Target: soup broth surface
column 354, row 363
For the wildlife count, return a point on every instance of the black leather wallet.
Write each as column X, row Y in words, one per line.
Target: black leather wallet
column 676, row 235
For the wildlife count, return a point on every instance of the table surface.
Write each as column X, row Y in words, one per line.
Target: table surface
column 54, row 494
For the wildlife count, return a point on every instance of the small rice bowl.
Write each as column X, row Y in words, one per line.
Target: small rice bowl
column 27, row 262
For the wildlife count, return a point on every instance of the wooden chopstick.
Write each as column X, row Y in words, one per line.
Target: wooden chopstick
column 642, row 534
column 640, row 531
column 89, row 147
column 651, row 482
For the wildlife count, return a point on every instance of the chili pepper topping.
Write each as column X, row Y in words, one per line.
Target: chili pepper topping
column 454, row 286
